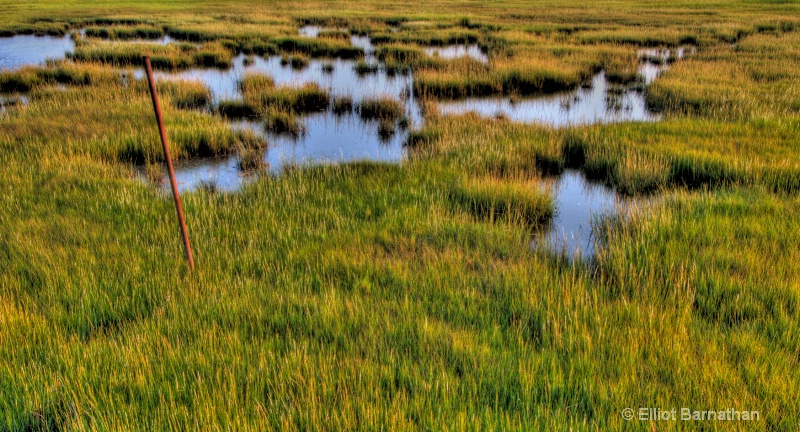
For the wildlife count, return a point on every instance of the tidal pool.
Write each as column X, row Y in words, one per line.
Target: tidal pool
column 654, row 61
column 579, row 203
column 588, row 104
column 328, row 138
column 595, row 102
column 457, row 51
column 22, row 50
column 342, row 80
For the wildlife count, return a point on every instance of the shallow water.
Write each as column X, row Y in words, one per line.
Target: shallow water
column 328, row 139
column 586, row 105
column 650, row 70
column 457, row 51
column 313, row 31
column 579, row 202
column 592, row 103
column 21, row 50
column 342, row 80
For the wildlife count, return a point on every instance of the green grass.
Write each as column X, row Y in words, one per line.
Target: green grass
column 405, row 296
column 172, row 56
column 125, row 32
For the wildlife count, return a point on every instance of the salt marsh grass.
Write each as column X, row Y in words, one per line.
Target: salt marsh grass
column 375, row 296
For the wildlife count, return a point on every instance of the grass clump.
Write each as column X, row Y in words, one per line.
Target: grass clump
column 305, row 99
column 172, row 56
column 252, row 160
column 342, row 105
column 236, row 109
column 296, row 61
column 185, row 94
column 334, row 34
column 386, row 129
column 404, row 54
column 125, row 32
column 318, row 47
column 253, row 82
column 364, row 68
column 383, row 107
column 621, row 68
column 20, row 81
column 282, row 122
column 154, row 173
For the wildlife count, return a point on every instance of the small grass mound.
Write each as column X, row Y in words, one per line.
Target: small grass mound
column 386, row 129
column 342, row 105
column 296, row 61
column 363, row 68
column 282, row 122
column 308, row 98
column 383, row 107
column 253, row 82
column 252, row 160
column 236, row 109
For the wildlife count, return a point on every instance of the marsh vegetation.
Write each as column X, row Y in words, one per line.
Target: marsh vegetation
column 369, row 244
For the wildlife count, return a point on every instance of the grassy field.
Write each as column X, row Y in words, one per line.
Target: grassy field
column 369, row 296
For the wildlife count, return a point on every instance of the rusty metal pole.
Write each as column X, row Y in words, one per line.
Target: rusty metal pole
column 165, row 143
